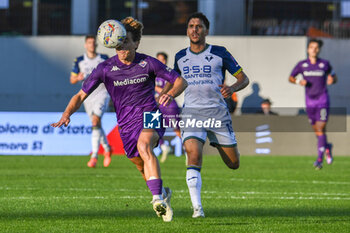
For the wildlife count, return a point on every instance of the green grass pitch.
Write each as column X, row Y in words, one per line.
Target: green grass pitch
column 267, row 194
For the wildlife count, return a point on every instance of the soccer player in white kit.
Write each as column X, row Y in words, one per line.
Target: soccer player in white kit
column 203, row 66
column 96, row 104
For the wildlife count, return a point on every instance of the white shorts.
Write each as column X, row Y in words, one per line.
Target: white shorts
column 97, row 102
column 223, row 136
column 216, row 137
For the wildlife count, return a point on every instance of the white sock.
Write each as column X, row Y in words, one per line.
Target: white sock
column 194, row 184
column 104, row 141
column 158, row 197
column 95, row 141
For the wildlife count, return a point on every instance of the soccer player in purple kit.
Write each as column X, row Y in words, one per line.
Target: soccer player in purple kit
column 317, row 74
column 129, row 78
column 170, row 112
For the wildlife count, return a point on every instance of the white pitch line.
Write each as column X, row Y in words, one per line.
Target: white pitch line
column 233, row 179
column 255, row 180
column 290, row 181
column 179, row 191
column 179, row 197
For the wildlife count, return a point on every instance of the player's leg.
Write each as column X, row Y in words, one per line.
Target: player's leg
column 319, row 129
column 88, row 105
column 168, row 113
column 145, row 144
column 224, row 140
column 164, row 146
column 321, row 126
column 193, row 143
column 139, row 165
column 312, row 116
column 147, row 140
column 100, row 106
column 318, row 118
column 230, row 155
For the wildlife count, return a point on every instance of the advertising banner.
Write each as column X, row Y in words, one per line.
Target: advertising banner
column 30, row 133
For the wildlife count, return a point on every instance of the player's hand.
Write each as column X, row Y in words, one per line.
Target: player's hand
column 226, row 91
column 80, row 76
column 165, row 99
column 303, row 82
column 330, row 80
column 63, row 121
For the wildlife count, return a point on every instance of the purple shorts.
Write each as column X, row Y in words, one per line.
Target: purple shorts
column 317, row 109
column 317, row 114
column 130, row 139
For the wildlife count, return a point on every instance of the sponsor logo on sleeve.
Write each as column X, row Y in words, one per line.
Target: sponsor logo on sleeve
column 143, row 63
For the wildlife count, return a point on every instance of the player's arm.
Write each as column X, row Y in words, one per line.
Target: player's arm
column 163, row 90
column 176, row 89
column 331, row 79
column 301, row 82
column 72, row 107
column 166, row 88
column 76, row 75
column 74, row 78
column 242, row 82
column 158, row 89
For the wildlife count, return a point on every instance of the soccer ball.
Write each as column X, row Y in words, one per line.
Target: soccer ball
column 111, row 33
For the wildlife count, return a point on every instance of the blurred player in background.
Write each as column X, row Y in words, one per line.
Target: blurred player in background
column 129, row 78
column 204, row 66
column 172, row 110
column 317, row 74
column 97, row 102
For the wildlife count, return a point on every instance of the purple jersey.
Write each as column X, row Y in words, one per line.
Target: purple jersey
column 160, row 82
column 316, row 77
column 131, row 87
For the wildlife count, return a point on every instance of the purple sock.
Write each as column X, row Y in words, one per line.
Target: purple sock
column 321, row 145
column 155, row 186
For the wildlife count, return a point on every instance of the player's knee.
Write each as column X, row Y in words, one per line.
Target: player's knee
column 193, row 154
column 96, row 121
column 233, row 165
column 143, row 149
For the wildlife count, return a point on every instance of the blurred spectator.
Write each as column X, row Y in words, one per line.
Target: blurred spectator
column 251, row 103
column 266, row 108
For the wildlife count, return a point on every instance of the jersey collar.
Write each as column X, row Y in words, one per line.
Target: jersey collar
column 206, row 47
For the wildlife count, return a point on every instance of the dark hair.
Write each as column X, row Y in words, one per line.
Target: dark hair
column 200, row 16
column 163, row 54
column 134, row 26
column 314, row 40
column 266, row 101
column 90, row 37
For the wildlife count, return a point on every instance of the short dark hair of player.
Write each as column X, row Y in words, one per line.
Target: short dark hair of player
column 90, row 37
column 313, row 40
column 134, row 26
column 163, row 54
column 201, row 16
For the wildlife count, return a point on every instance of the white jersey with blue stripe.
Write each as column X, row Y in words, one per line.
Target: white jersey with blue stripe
column 204, row 72
column 86, row 65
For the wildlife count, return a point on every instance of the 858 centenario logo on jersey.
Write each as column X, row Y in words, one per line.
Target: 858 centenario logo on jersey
column 152, row 120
